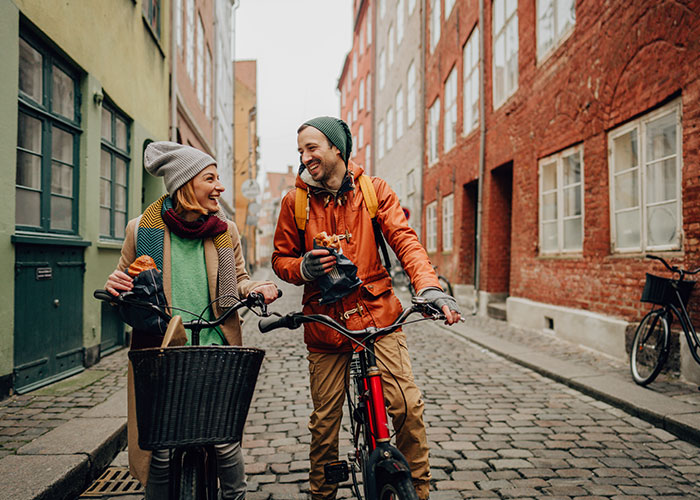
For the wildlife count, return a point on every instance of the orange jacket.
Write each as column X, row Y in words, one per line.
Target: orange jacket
column 373, row 302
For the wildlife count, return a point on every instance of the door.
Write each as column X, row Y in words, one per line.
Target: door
column 48, row 340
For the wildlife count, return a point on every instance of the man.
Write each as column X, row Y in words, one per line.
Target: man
column 336, row 206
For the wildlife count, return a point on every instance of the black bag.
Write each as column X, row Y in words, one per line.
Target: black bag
column 340, row 281
column 148, row 287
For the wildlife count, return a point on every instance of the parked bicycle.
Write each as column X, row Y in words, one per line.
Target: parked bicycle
column 401, row 280
column 650, row 346
column 190, row 398
column 385, row 472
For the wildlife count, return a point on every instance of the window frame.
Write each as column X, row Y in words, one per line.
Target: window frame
column 150, row 10
column 398, row 103
column 448, row 222
column 469, row 75
column 433, row 132
column 449, row 139
column 498, row 101
column 380, row 139
column 411, row 94
column 389, row 128
column 431, row 227
column 400, row 19
column 435, row 22
column 558, row 39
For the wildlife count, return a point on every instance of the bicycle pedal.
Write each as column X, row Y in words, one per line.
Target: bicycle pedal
column 336, row 472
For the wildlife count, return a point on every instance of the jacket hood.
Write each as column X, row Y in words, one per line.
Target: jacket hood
column 305, row 181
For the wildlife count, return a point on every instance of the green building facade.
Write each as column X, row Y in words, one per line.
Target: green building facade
column 84, row 87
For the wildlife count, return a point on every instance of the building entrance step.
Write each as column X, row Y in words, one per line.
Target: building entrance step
column 497, row 310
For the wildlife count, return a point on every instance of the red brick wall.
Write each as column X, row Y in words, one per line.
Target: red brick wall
column 622, row 60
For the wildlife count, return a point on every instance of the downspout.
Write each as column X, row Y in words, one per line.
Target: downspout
column 482, row 153
column 423, row 45
column 173, row 75
column 234, row 4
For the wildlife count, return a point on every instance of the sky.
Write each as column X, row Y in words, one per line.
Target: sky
column 300, row 47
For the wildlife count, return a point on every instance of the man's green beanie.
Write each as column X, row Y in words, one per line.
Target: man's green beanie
column 337, row 131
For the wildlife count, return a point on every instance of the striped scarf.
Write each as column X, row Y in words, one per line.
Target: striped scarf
column 150, row 242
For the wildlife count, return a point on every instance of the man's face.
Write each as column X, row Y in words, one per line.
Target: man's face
column 321, row 158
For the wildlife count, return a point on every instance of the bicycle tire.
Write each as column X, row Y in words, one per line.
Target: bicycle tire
column 191, row 477
column 649, row 347
column 395, row 487
column 445, row 285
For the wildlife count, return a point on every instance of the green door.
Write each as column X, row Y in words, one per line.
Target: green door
column 112, row 332
column 48, row 314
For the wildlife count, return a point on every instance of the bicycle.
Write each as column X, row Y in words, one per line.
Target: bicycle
column 400, row 279
column 183, row 401
column 385, row 472
column 650, row 346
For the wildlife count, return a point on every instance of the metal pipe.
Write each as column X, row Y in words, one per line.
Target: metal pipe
column 482, row 150
column 173, row 72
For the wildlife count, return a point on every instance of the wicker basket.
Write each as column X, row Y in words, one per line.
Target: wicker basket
column 193, row 395
column 658, row 290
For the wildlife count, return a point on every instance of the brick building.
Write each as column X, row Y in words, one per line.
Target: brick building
column 588, row 113
column 276, row 185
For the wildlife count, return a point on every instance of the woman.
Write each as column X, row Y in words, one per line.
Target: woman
column 199, row 254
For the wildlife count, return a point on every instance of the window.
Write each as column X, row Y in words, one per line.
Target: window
column 114, row 172
column 411, row 183
column 361, row 137
column 555, row 18
column 362, row 94
column 449, row 4
column 433, row 127
column 369, row 27
column 411, row 6
column 645, row 182
column 389, row 128
column 151, row 12
column 471, row 82
column 435, row 23
column 354, row 109
column 382, row 68
column 342, row 95
column 208, row 84
column 505, row 50
column 48, row 128
column 189, row 47
column 349, row 120
column 411, row 96
column 399, row 113
column 561, row 202
column 177, row 5
column 368, row 158
column 447, row 222
column 380, row 139
column 450, row 121
column 399, row 21
column 382, row 8
column 362, row 39
column 431, row 227
column 354, row 65
column 369, row 92
column 200, row 62
column 390, row 42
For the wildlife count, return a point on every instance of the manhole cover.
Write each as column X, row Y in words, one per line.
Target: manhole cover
column 114, row 481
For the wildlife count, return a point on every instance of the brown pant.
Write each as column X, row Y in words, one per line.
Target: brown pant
column 327, row 374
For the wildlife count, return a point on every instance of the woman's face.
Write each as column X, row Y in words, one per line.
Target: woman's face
column 208, row 188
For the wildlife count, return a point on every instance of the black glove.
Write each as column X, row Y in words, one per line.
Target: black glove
column 311, row 266
column 438, row 298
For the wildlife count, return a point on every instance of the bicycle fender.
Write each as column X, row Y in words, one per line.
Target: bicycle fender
column 385, row 459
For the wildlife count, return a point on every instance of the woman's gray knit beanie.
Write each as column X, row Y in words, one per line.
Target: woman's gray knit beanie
column 337, row 131
column 176, row 163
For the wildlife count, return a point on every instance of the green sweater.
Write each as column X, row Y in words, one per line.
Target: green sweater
column 190, row 288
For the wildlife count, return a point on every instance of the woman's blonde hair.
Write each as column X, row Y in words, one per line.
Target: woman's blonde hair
column 186, row 200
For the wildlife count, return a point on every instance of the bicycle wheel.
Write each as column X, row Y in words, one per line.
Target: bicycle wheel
column 395, row 488
column 445, row 285
column 649, row 347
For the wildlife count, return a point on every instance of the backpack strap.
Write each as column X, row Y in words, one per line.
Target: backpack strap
column 372, row 204
column 301, row 208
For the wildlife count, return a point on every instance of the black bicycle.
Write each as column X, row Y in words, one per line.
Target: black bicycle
column 190, row 398
column 650, row 346
column 385, row 472
column 400, row 280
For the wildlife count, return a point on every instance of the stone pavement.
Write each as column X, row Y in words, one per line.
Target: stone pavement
column 497, row 429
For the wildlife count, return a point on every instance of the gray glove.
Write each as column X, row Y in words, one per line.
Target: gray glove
column 311, row 266
column 438, row 298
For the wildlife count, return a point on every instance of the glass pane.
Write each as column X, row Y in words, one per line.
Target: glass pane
column 511, row 5
column 120, row 198
column 105, row 193
column 106, row 124
column 572, row 201
column 572, row 169
column 549, row 236
column 63, row 95
column 28, row 170
column 30, row 71
column 61, row 145
column 120, row 171
column 119, row 224
column 549, row 176
column 105, row 164
column 661, row 137
column 627, row 229
column 626, row 190
column 625, row 154
column 29, row 133
column 105, row 222
column 545, row 29
column 499, row 53
column 121, row 134
column 549, row 206
column 661, row 181
column 572, row 234
column 61, row 179
column 499, row 15
column 512, row 55
column 566, row 15
column 27, row 207
column 61, row 213
column 662, row 224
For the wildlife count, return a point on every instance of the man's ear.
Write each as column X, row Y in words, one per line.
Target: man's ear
column 335, row 149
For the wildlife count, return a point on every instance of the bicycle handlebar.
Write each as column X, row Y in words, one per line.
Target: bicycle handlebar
column 673, row 269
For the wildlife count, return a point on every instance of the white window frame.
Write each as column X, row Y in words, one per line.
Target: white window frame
column 470, row 92
column 368, row 158
column 434, row 23
column 368, row 100
column 449, row 5
column 391, row 45
column 431, row 227
column 389, row 128
column 382, row 69
column 411, row 94
column 362, row 39
column 380, row 139
column 354, row 65
column 354, row 109
column 450, row 116
column 382, row 8
column 448, row 223
column 200, row 61
column 189, row 42
column 362, row 94
column 558, row 191
column 411, row 6
column 550, row 12
column 641, row 170
column 433, row 131
column 507, row 34
column 369, row 27
column 177, row 5
column 399, row 21
column 398, row 102
column 360, row 136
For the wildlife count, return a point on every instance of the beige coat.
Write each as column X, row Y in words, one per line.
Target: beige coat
column 140, row 460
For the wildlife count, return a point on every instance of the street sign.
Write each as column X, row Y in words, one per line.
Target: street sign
column 250, row 189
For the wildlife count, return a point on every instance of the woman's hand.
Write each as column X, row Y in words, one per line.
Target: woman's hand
column 267, row 291
column 119, row 282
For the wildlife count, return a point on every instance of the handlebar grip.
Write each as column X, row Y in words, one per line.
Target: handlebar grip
column 273, row 323
column 104, row 295
column 279, row 293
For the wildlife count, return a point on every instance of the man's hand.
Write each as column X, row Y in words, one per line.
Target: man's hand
column 316, row 263
column 443, row 302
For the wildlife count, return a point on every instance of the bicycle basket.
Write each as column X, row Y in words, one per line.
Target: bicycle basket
column 658, row 290
column 193, row 395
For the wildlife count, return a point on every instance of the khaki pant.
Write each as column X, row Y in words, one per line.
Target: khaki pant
column 327, row 375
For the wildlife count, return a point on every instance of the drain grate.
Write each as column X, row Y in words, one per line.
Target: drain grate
column 114, row 481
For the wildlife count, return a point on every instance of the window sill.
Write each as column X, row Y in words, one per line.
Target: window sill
column 155, row 37
column 561, row 256
column 49, row 239
column 110, row 244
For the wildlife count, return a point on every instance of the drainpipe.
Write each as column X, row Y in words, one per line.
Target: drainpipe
column 173, row 76
column 482, row 152
column 234, row 4
column 421, row 114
